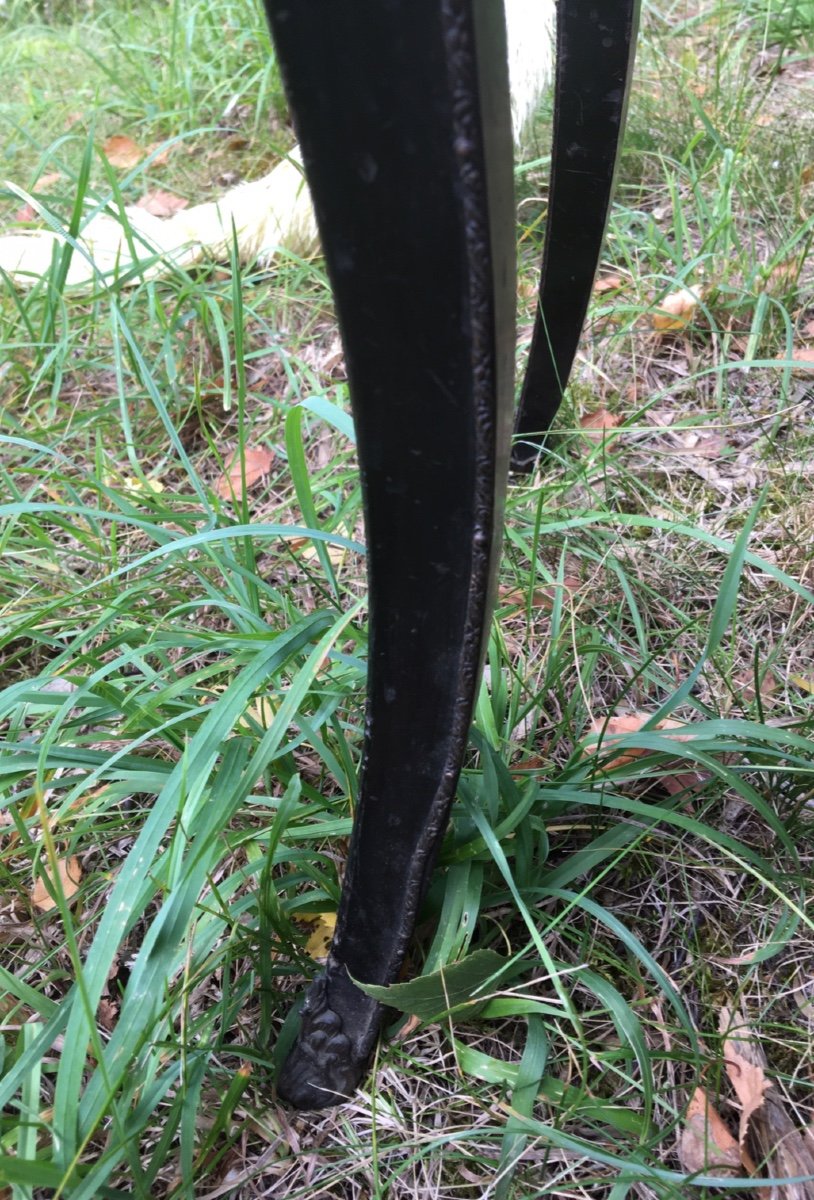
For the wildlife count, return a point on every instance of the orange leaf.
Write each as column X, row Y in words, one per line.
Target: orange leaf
column 676, row 311
column 615, row 728
column 257, row 461
column 46, row 181
column 121, row 151
column 161, row 204
column 608, row 283
column 706, row 1143
column 69, row 872
column 595, row 424
column 803, row 360
column 162, row 156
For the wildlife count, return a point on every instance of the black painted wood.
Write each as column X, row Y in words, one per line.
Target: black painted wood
column 595, row 50
column 402, row 111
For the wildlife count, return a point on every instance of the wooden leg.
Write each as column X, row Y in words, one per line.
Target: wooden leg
column 402, row 111
column 595, row 49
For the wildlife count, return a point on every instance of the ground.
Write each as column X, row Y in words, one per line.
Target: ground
column 182, row 697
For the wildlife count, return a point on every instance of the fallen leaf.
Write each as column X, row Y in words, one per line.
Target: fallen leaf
column 121, row 151
column 25, row 213
column 706, row 1143
column 336, row 554
column 70, row 873
column 46, row 181
column 257, row 462
column 745, row 683
column 107, row 1014
column 676, row 311
column 747, row 1078
column 805, row 685
column 782, row 277
column 322, row 934
column 594, row 425
column 542, row 598
column 162, row 156
column 803, row 363
column 410, row 1025
column 705, row 444
column 611, row 730
column 161, row 204
column 609, row 283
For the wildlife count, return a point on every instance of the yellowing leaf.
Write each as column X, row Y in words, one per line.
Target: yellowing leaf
column 69, row 872
column 706, row 1143
column 257, row 462
column 676, row 311
column 121, row 151
column 319, row 942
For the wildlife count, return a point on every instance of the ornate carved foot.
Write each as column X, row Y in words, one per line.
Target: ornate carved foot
column 338, row 1031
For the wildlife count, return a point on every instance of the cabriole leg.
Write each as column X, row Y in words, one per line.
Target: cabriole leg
column 402, row 111
column 595, row 50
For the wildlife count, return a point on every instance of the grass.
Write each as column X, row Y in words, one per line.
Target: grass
column 183, row 675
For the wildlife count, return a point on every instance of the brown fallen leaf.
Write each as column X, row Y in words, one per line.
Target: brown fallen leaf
column 706, row 444
column 744, row 681
column 609, row 283
column 121, row 151
column 768, row 1133
column 706, row 1144
column 595, row 425
column 258, row 460
column 162, row 155
column 743, row 1067
column 161, row 204
column 611, row 730
column 542, row 597
column 803, row 357
column 70, row 874
column 676, row 311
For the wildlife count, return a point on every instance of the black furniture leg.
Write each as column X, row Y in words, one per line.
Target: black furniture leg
column 595, row 51
column 402, row 111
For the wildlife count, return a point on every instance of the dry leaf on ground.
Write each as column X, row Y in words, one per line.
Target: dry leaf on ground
column 706, row 1144
column 770, row 1135
column 803, row 360
column 609, row 283
column 257, row 459
column 747, row 1076
column 611, row 730
column 161, row 204
column 70, row 873
column 542, row 597
column 594, row 425
column 121, row 151
column 676, row 311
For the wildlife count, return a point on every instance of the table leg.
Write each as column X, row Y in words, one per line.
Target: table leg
column 402, row 111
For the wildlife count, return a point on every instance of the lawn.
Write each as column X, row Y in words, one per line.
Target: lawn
column 183, row 658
